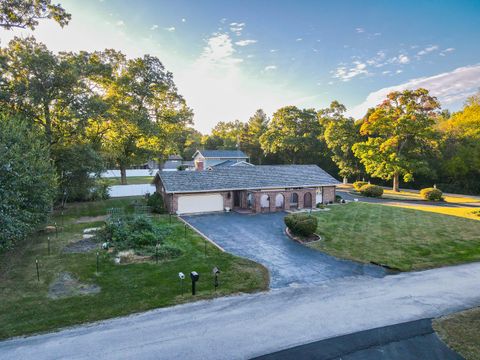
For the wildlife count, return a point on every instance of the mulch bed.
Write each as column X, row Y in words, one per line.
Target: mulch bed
column 302, row 239
column 81, row 246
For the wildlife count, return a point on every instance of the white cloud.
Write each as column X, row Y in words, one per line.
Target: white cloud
column 451, row 88
column 360, row 30
column 427, row 50
column 184, row 20
column 273, row 50
column 120, row 23
column 219, row 51
column 446, row 51
column 170, row 29
column 154, row 27
column 347, row 73
column 403, row 59
column 245, row 42
column 298, row 39
column 270, row 67
column 237, row 28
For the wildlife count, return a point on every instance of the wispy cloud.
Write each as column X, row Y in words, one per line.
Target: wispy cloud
column 245, row 42
column 298, row 39
column 345, row 73
column 120, row 23
column 170, row 29
column 446, row 51
column 219, row 51
column 237, row 28
column 450, row 88
column 270, row 67
column 184, row 20
column 359, row 30
column 427, row 50
column 154, row 27
column 400, row 59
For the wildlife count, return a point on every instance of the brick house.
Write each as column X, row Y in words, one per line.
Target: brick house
column 262, row 188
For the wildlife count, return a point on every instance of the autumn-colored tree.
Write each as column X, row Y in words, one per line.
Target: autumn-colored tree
column 400, row 132
column 460, row 162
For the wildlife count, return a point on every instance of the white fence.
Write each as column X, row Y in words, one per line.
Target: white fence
column 131, row 190
column 130, row 173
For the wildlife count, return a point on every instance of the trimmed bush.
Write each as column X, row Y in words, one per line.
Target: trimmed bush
column 338, row 198
column 370, row 190
column 155, row 201
column 358, row 184
column 301, row 224
column 432, row 194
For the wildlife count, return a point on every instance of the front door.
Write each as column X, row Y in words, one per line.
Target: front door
column 236, row 199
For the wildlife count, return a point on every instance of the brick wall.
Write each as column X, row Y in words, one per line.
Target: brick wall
column 328, row 194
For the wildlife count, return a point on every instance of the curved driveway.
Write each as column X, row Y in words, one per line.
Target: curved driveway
column 262, row 238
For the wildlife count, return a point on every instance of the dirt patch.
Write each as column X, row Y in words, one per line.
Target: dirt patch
column 88, row 219
column 65, row 285
column 81, row 246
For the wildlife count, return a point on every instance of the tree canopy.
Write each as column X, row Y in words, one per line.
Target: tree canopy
column 399, row 133
column 25, row 14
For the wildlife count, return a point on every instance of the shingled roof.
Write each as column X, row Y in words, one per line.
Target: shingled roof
column 246, row 177
column 236, row 154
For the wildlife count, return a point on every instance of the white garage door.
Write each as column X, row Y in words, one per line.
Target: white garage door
column 199, row 203
column 319, row 197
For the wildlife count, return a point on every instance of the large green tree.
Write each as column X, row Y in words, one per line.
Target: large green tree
column 145, row 115
column 26, row 13
column 27, row 180
column 250, row 137
column 340, row 136
column 399, row 134
column 293, row 135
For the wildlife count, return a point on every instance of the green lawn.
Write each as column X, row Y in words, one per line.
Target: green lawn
column 460, row 331
column 25, row 307
column 404, row 239
column 130, row 180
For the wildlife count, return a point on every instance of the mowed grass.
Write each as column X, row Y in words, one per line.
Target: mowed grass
column 461, row 332
column 130, row 180
column 26, row 309
column 400, row 238
column 465, row 212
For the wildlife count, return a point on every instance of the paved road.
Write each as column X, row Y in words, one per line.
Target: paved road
column 246, row 326
column 262, row 238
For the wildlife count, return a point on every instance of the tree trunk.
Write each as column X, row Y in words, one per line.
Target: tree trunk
column 396, row 185
column 345, row 180
column 123, row 175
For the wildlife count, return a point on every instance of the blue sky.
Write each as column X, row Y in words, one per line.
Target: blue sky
column 232, row 57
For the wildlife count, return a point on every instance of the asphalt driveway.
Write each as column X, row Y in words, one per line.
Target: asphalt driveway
column 261, row 238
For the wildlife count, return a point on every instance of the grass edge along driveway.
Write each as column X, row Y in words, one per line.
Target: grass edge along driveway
column 460, row 332
column 125, row 289
column 400, row 238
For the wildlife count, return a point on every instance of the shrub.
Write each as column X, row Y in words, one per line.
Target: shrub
column 301, row 224
column 156, row 203
column 100, row 191
column 358, row 184
column 338, row 198
column 370, row 190
column 320, row 206
column 476, row 212
column 139, row 233
column 431, row 194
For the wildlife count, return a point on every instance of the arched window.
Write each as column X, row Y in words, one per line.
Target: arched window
column 265, row 201
column 279, row 201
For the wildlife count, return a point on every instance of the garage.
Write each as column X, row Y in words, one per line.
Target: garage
column 189, row 204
